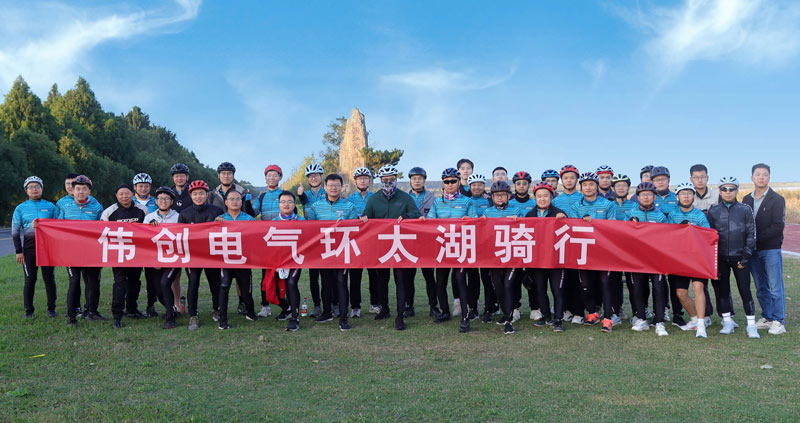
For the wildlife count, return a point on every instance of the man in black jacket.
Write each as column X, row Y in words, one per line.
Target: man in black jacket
column 769, row 209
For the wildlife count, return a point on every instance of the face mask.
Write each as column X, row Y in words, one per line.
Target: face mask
column 388, row 188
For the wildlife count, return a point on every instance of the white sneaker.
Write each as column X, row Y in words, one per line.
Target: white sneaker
column 752, row 332
column 515, row 315
column 634, row 320
column 661, row 330
column 735, row 325
column 701, row 332
column 456, row 307
column 666, row 315
column 641, row 325
column 615, row 320
column 356, row 312
column 568, row 315
column 763, row 323
column 623, row 315
column 727, row 327
column 374, row 309
column 708, row 321
column 777, row 328
column 692, row 325
column 578, row 320
column 265, row 311
column 648, row 314
column 536, row 314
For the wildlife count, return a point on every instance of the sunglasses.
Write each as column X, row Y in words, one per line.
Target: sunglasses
column 450, row 181
column 727, row 189
column 521, row 183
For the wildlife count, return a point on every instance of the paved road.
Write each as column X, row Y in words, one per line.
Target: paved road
column 6, row 245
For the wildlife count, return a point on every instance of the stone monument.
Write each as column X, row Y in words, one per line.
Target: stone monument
column 350, row 158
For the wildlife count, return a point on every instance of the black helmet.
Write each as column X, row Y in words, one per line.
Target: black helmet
column 226, row 166
column 166, row 190
column 646, row 169
column 179, row 168
column 418, row 171
column 500, row 186
column 659, row 171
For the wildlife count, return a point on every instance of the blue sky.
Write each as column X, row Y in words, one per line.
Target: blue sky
column 529, row 85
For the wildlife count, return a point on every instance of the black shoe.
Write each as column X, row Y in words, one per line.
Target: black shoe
column 503, row 320
column 557, row 326
column 136, row 315
column 78, row 313
column 117, row 323
column 72, row 323
column 169, row 324
column 487, row 316
column 95, row 316
column 678, row 321
column 251, row 317
column 434, row 311
column 223, row 325
column 464, row 326
column 316, row 312
column 543, row 322
column 383, row 314
column 344, row 326
column 399, row 324
column 508, row 328
column 284, row 315
column 442, row 317
column 336, row 310
column 28, row 314
column 410, row 312
column 473, row 314
column 151, row 312
column 293, row 325
column 242, row 309
column 324, row 317
column 51, row 313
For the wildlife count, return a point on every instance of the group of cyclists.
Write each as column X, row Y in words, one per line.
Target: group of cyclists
column 584, row 297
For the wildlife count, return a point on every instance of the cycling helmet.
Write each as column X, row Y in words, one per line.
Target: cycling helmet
column 450, row 172
column 648, row 168
column 179, row 168
column 274, row 167
column 605, row 169
column 685, row 185
column 82, row 180
column 729, row 180
column 226, row 166
column 550, row 173
column 198, row 184
column 476, row 177
column 587, row 176
column 362, row 171
column 166, row 190
column 500, row 186
column 418, row 171
column 314, row 168
column 569, row 168
column 620, row 178
column 387, row 170
column 543, row 185
column 521, row 176
column 646, row 186
column 30, row 179
column 659, row 171
column 142, row 178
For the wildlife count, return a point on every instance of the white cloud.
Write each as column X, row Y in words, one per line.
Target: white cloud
column 54, row 47
column 748, row 31
column 438, row 79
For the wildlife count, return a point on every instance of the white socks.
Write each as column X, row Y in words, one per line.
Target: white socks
column 751, row 320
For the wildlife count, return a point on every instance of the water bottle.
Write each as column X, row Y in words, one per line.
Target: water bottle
column 247, row 195
column 304, row 307
column 183, row 305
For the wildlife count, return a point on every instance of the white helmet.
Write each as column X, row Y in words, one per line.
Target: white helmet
column 685, row 185
column 362, row 171
column 387, row 170
column 314, row 168
column 30, row 179
column 729, row 180
column 476, row 177
column 142, row 178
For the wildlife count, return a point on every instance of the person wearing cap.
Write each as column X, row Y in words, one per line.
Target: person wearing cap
column 573, row 300
column 363, row 179
column 423, row 198
column 504, row 279
column 127, row 282
column 604, row 188
column 766, row 265
column 82, row 207
column 704, row 196
column 391, row 203
column 592, row 206
column 736, row 227
column 316, row 192
column 621, row 185
column 700, row 308
column 201, row 211
column 480, row 202
column 23, row 234
column 180, row 177
column 647, row 212
column 168, row 278
column 266, row 207
column 543, row 193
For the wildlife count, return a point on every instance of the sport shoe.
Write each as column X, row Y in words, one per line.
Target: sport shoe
column 464, row 327
column 336, row 310
column 503, row 320
column 51, row 313
column 616, row 320
column 324, row 318
column 251, row 317
column 666, row 314
column 293, row 325
column 592, row 319
column 692, row 325
column 456, row 307
column 242, row 308
column 735, row 325
column 72, row 323
column 442, row 317
column 266, row 311
column 676, row 320
column 487, row 317
column 169, row 324
column 136, row 314
column 508, row 328
column 727, row 327
column 356, row 312
column 399, row 324
column 777, row 328
column 473, row 315
column 708, row 321
column 434, row 311
column 578, row 320
column 215, row 315
column 515, row 315
column 607, row 325
column 752, row 332
column 316, row 312
column 374, row 309
column 283, row 315
column 344, row 326
column 648, row 314
column 701, row 332
column 536, row 314
column 409, row 312
column 558, row 326
column 623, row 315
column 661, row 330
column 568, row 316
column 193, row 323
column 223, row 325
column 541, row 322
column 117, row 323
column 151, row 312
column 383, row 314
column 763, row 323
column 641, row 325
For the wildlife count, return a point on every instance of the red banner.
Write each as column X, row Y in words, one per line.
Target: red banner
column 453, row 243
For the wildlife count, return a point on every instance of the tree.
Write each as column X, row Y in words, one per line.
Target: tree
column 377, row 158
column 23, row 109
column 81, row 104
column 332, row 141
column 137, row 119
column 13, row 168
column 43, row 159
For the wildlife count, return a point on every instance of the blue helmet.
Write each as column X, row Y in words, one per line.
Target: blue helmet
column 550, row 173
column 450, row 172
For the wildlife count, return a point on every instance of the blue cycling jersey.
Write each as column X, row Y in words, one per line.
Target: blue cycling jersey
column 149, row 203
column 359, row 201
column 242, row 216
column 480, row 204
column 523, row 207
column 459, row 207
column 509, row 211
column 564, row 201
column 22, row 231
column 294, row 216
column 314, row 197
column 325, row 210
column 667, row 203
column 653, row 215
column 624, row 209
column 694, row 216
column 600, row 208
column 91, row 210
column 267, row 204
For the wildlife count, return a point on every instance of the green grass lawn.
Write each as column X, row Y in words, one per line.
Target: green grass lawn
column 258, row 372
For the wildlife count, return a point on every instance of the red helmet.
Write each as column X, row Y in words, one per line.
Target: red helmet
column 521, row 176
column 543, row 185
column 569, row 168
column 275, row 168
column 199, row 184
